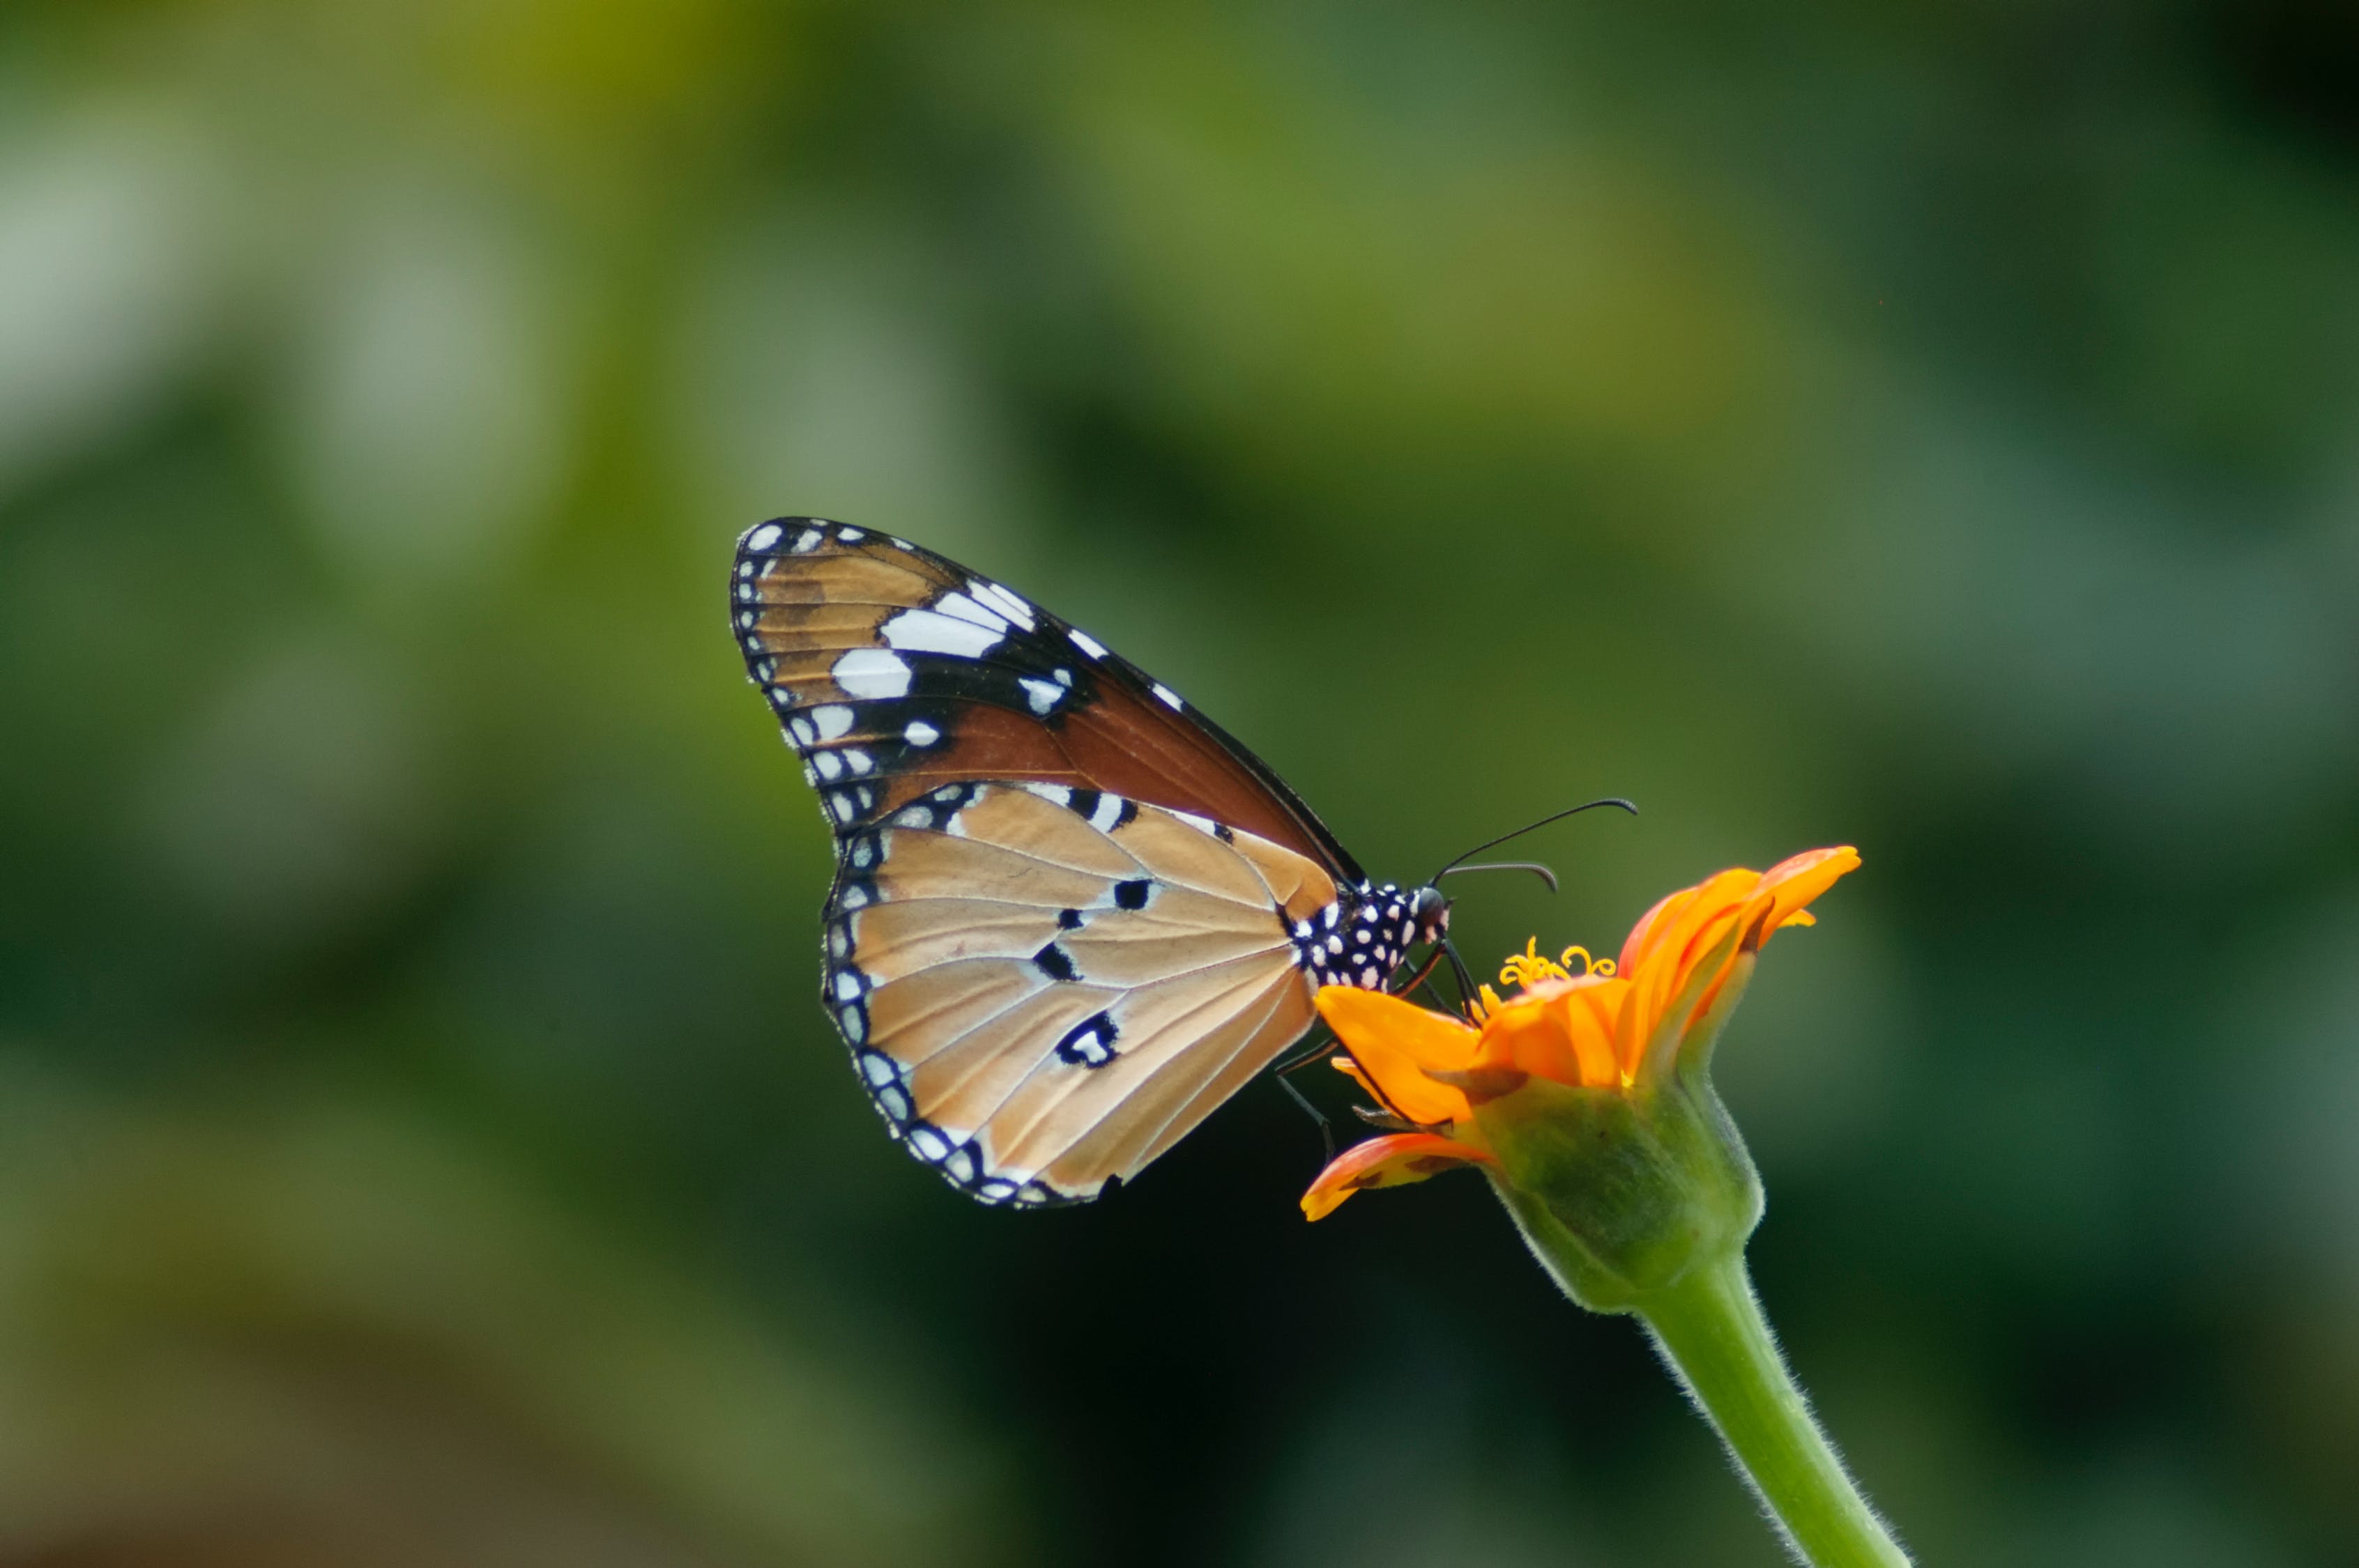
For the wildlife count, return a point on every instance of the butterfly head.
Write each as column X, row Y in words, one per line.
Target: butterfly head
column 1431, row 913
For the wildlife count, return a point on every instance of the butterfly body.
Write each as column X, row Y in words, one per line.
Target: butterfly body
column 1071, row 916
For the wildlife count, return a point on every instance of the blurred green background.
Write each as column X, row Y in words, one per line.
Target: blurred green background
column 1933, row 428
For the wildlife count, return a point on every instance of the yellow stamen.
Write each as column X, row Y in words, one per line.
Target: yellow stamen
column 1527, row 968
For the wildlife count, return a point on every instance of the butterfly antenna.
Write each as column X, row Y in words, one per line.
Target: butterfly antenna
column 1554, row 816
column 1545, row 873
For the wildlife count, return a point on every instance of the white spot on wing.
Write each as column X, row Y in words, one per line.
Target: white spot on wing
column 809, row 540
column 1057, row 792
column 923, row 632
column 1086, row 644
column 762, row 538
column 1170, row 698
column 1042, row 694
column 858, row 761
column 1108, row 812
column 833, row 719
column 960, row 607
column 829, row 766
column 920, row 733
column 1200, row 824
column 849, row 535
column 1007, row 603
column 800, row 729
column 876, row 674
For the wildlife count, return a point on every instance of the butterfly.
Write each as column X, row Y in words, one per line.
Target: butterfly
column 1070, row 915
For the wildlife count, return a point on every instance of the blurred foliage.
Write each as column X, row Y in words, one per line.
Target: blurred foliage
column 1934, row 427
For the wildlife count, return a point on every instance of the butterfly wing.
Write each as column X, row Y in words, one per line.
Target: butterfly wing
column 1045, row 988
column 1070, row 915
column 913, row 671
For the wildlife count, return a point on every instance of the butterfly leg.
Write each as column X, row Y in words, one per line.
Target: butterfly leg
column 1317, row 1049
column 1419, row 978
column 1459, row 971
column 1326, row 1128
column 1442, row 1004
column 1326, row 1048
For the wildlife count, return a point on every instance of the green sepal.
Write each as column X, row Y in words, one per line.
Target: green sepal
column 1622, row 1193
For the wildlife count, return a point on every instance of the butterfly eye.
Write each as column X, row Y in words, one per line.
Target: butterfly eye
column 1432, row 912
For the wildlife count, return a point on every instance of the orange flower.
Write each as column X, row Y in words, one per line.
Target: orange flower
column 1614, row 1027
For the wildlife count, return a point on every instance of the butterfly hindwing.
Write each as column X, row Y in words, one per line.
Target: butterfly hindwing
column 1045, row 988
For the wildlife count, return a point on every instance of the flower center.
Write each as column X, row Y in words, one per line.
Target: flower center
column 1528, row 968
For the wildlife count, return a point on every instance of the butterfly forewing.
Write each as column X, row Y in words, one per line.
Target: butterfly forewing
column 896, row 670
column 1072, row 916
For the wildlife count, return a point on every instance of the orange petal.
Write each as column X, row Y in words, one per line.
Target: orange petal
column 1560, row 1028
column 1590, row 1011
column 1793, row 885
column 1641, row 939
column 1395, row 1040
column 1393, row 1161
column 1670, row 927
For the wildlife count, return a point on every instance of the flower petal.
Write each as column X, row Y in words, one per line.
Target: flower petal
column 1687, row 931
column 1394, row 1041
column 1793, row 883
column 1393, row 1161
column 1671, row 926
column 1558, row 1029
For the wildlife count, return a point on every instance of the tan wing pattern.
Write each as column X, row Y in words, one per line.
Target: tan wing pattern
column 1045, row 988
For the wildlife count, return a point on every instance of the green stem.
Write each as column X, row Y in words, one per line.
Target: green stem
column 1709, row 1327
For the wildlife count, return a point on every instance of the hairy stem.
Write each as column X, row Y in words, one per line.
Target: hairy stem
column 1709, row 1327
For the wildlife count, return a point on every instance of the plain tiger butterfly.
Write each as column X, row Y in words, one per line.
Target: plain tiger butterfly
column 1070, row 915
